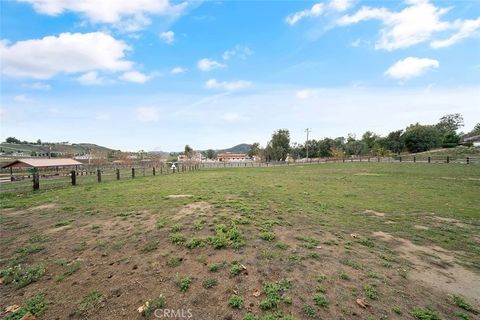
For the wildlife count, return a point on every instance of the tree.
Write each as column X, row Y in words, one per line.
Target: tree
column 12, row 140
column 450, row 122
column 368, row 138
column 210, row 154
column 419, row 138
column 279, row 146
column 188, row 151
column 450, row 139
column 254, row 150
column 325, row 147
column 476, row 129
column 355, row 147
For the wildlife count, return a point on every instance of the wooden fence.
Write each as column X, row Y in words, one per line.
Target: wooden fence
column 49, row 179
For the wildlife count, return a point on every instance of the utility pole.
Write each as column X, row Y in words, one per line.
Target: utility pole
column 306, row 144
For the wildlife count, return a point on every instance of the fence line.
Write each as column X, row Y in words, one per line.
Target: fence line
column 87, row 174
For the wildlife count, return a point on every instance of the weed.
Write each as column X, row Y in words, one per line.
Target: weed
column 177, row 238
column 36, row 306
column 210, row 283
column 370, row 292
column 321, row 289
column 214, row 267
column 70, row 269
column 176, row 228
column 153, row 304
column 150, row 246
column 425, row 314
column 344, row 276
column 309, row 311
column 373, row 275
column 22, row 275
column 235, row 301
column 184, row 283
column 160, row 224
column 225, row 236
column 38, row 238
column 267, row 236
column 281, row 245
column 321, row 301
column 308, row 242
column 90, row 302
column 462, row 316
column 274, row 293
column 460, row 302
column 397, row 310
column 62, row 223
column 366, row 242
column 236, row 268
column 250, row 316
column 322, row 278
column 174, row 262
column 313, row 255
column 79, row 247
column 193, row 243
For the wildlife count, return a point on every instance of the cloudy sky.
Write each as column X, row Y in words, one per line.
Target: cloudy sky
column 158, row 74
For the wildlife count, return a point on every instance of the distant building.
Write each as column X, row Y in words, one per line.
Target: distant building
column 232, row 157
column 196, row 156
column 475, row 140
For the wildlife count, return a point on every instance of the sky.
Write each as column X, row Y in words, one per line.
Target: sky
column 158, row 74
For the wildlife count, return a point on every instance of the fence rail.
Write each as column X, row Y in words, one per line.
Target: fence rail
column 50, row 179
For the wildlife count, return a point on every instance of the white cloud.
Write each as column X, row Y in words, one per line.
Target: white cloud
column 66, row 53
column 319, row 9
column 148, row 114
column 466, row 29
column 233, row 117
column 414, row 24
column 227, row 85
column 178, row 70
column 168, row 37
column 135, row 76
column 22, row 98
column 315, row 11
column 306, row 94
column 37, row 86
column 91, row 78
column 129, row 16
column 239, row 51
column 208, row 64
column 411, row 67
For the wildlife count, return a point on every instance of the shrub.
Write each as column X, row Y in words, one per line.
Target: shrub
column 235, row 302
column 22, row 275
column 321, row 301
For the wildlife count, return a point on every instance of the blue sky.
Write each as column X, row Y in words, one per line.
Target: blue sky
column 156, row 75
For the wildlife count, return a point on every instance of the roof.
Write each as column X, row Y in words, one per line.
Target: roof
column 472, row 138
column 42, row 163
column 232, row 155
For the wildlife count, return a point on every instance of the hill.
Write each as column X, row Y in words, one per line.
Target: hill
column 239, row 148
column 22, row 149
column 457, row 152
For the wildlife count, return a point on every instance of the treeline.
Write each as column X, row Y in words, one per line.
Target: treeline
column 415, row 138
column 37, row 143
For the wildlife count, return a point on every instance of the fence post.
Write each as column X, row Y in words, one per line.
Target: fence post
column 400, row 159
column 448, row 159
column 343, row 160
column 99, row 175
column 144, row 172
column 414, row 159
column 133, row 173
column 429, row 159
column 153, row 171
column 74, row 177
column 378, row 159
column 36, row 181
column 468, row 160
column 118, row 174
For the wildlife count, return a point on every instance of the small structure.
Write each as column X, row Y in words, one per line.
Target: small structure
column 233, row 157
column 41, row 163
column 474, row 140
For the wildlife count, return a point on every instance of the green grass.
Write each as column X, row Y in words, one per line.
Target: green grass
column 90, row 302
column 69, row 270
column 235, row 302
column 22, row 275
column 321, row 301
column 36, row 306
column 210, row 283
column 293, row 209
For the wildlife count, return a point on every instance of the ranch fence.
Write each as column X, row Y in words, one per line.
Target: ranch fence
column 45, row 179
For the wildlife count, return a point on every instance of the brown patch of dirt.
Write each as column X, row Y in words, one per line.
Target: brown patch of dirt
column 195, row 209
column 436, row 267
column 374, row 213
column 420, row 227
column 176, row 196
column 455, row 222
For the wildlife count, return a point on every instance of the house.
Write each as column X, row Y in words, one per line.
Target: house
column 232, row 157
column 196, row 156
column 471, row 139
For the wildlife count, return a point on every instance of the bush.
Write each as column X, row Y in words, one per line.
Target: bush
column 22, row 275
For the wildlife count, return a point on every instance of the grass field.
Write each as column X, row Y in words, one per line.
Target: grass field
column 329, row 241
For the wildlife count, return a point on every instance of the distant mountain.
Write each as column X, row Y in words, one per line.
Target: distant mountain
column 239, row 148
column 65, row 149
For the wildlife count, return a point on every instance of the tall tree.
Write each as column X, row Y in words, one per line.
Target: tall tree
column 279, row 146
column 450, row 122
column 419, row 138
column 188, row 151
column 210, row 154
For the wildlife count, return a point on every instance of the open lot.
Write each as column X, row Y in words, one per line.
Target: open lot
column 328, row 241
